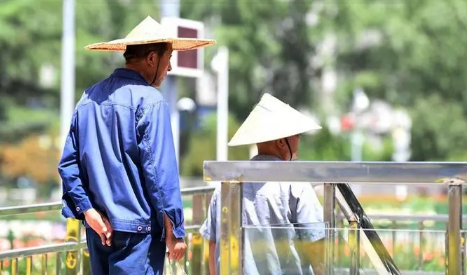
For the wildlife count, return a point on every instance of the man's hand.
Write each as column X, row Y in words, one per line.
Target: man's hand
column 100, row 224
column 176, row 248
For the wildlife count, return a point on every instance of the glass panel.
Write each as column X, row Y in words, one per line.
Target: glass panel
column 410, row 250
column 422, row 250
column 280, row 249
column 284, row 249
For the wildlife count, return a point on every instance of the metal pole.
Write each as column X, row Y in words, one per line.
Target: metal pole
column 231, row 241
column 354, row 245
column 73, row 258
column 222, row 103
column 196, row 262
column 330, row 220
column 68, row 69
column 171, row 8
column 454, row 228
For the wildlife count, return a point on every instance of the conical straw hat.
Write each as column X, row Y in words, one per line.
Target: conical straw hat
column 272, row 119
column 147, row 32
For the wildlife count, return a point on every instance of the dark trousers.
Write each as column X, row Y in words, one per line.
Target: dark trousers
column 130, row 253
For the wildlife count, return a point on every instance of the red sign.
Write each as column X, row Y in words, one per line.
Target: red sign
column 185, row 63
column 187, row 59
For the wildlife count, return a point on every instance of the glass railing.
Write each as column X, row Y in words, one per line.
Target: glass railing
column 284, row 249
column 281, row 249
column 411, row 251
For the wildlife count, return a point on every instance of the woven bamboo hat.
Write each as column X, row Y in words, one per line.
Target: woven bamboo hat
column 272, row 119
column 147, row 32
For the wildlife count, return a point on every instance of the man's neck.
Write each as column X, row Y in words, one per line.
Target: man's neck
column 136, row 68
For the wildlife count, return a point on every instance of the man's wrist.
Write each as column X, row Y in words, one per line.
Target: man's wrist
column 173, row 238
column 88, row 211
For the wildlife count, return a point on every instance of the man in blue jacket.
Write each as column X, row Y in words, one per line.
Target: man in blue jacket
column 118, row 167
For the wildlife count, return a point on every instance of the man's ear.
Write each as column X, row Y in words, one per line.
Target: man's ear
column 280, row 143
column 151, row 59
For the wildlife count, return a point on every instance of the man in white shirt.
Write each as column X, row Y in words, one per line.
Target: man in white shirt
column 283, row 222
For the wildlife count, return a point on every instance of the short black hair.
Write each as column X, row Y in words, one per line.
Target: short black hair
column 141, row 51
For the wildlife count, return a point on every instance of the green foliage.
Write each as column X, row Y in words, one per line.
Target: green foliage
column 103, row 20
column 324, row 146
column 416, row 60
column 410, row 53
column 31, row 37
column 202, row 146
column 440, row 130
column 21, row 121
column 269, row 44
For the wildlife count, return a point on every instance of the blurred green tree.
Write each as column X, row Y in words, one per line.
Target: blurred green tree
column 270, row 48
column 202, row 146
column 412, row 54
column 30, row 39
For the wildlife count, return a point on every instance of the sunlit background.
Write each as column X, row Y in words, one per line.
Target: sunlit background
column 385, row 79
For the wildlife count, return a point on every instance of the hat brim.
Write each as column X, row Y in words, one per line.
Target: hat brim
column 266, row 136
column 178, row 44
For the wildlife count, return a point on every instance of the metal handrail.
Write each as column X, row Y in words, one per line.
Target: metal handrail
column 43, row 249
column 32, row 208
column 74, row 246
column 61, row 247
column 70, row 246
column 366, row 173
column 413, row 218
column 330, row 173
column 53, row 206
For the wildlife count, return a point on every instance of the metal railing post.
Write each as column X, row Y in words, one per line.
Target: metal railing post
column 197, row 240
column 72, row 258
column 340, row 253
column 354, row 245
column 454, row 253
column 231, row 241
column 330, row 220
column 421, row 228
column 207, row 202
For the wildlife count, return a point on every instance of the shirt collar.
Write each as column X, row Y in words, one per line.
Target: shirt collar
column 266, row 158
column 131, row 74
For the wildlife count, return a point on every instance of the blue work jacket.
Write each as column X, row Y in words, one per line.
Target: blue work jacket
column 119, row 157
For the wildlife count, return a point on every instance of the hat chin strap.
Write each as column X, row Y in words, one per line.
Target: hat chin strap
column 290, row 150
column 157, row 70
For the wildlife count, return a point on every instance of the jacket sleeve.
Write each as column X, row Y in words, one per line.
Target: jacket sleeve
column 75, row 198
column 159, row 165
